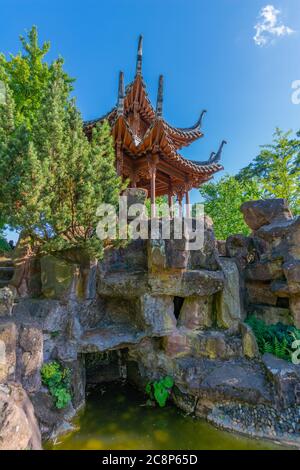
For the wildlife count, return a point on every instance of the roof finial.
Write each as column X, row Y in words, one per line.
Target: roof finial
column 159, row 104
column 139, row 56
column 201, row 117
column 199, row 122
column 121, row 93
column 216, row 157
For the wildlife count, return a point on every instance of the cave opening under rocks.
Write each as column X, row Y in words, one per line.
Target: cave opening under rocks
column 178, row 303
column 103, row 367
column 283, row 302
column 110, row 366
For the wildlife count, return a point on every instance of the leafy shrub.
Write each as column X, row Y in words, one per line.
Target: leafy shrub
column 57, row 379
column 159, row 390
column 4, row 245
column 274, row 339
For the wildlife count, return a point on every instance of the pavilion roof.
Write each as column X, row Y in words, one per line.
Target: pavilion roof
column 134, row 106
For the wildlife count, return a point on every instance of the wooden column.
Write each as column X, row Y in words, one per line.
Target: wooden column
column 170, row 199
column 119, row 158
column 187, row 201
column 153, row 189
column 170, row 202
column 152, row 163
column 180, row 197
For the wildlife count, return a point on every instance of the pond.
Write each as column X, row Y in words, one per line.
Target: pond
column 116, row 418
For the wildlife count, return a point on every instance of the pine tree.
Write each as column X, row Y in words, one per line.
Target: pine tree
column 27, row 74
column 79, row 175
column 20, row 170
column 53, row 178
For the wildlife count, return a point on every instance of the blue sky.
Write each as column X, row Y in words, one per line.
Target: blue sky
column 204, row 48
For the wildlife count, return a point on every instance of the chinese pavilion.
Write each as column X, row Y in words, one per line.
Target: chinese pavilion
column 147, row 146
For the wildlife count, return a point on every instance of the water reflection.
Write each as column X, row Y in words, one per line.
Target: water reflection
column 115, row 418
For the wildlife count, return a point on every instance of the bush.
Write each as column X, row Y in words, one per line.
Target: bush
column 274, row 339
column 4, row 245
column 57, row 379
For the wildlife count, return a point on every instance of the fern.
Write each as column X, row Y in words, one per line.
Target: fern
column 281, row 349
column 295, row 335
column 274, row 339
column 268, row 348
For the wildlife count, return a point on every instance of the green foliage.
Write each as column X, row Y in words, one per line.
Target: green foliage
column 4, row 245
column 222, row 202
column 274, row 339
column 159, row 390
column 27, row 75
column 277, row 169
column 53, row 178
column 274, row 173
column 57, row 379
column 160, row 203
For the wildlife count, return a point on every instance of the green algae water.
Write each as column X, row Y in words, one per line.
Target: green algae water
column 115, row 418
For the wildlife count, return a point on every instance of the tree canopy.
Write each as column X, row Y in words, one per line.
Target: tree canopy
column 274, row 173
column 53, row 178
column 222, row 201
column 277, row 169
column 27, row 75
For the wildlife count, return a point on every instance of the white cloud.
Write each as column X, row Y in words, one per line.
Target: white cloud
column 269, row 26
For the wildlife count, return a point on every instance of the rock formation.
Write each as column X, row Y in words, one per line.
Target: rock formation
column 153, row 308
column 269, row 261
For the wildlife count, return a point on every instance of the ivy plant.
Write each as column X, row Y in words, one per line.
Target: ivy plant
column 159, row 390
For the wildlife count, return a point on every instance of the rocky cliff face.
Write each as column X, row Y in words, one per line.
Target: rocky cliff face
column 269, row 261
column 150, row 309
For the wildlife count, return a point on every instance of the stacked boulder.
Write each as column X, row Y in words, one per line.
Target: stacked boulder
column 154, row 308
column 269, row 261
column 19, row 429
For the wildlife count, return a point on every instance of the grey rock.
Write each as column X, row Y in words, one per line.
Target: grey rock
column 8, row 343
column 271, row 315
column 196, row 313
column 265, row 212
column 30, row 357
column 250, row 347
column 158, row 314
column 18, row 426
column 229, row 309
column 187, row 283
column 109, row 338
column 48, row 416
column 7, row 296
column 286, row 378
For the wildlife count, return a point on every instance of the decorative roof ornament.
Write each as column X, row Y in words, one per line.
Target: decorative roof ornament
column 197, row 126
column 216, row 157
column 142, row 130
column 200, row 120
column 121, row 95
column 139, row 56
column 160, row 98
